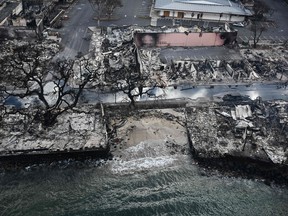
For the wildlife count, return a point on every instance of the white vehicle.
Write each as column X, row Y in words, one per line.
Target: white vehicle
column 239, row 24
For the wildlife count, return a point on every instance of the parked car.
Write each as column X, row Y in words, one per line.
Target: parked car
column 65, row 17
column 239, row 24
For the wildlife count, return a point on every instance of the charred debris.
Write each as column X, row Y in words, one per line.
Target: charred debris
column 246, row 128
column 242, row 136
column 118, row 46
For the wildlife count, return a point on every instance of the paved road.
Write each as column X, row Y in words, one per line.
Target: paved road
column 276, row 25
column 133, row 12
column 266, row 91
column 75, row 31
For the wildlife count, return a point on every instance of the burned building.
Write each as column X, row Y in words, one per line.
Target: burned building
column 184, row 37
column 247, row 128
column 179, row 56
column 29, row 15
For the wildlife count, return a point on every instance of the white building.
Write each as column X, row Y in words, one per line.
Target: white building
column 206, row 10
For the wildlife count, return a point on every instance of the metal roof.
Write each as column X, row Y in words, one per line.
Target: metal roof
column 210, row 6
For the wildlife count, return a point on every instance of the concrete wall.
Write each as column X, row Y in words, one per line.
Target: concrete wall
column 184, row 39
column 205, row 16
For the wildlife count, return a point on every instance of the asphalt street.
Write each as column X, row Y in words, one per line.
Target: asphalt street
column 75, row 34
column 276, row 24
column 183, row 92
column 133, row 12
column 265, row 91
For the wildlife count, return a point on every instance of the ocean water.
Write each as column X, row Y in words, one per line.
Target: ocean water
column 146, row 181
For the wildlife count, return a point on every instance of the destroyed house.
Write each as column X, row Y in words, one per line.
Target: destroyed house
column 208, row 10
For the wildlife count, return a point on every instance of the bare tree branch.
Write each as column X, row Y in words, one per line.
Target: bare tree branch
column 260, row 9
column 104, row 7
column 257, row 31
column 28, row 72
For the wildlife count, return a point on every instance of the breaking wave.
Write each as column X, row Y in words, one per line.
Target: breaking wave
column 145, row 156
column 141, row 164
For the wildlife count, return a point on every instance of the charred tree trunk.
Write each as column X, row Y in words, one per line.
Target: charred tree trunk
column 49, row 118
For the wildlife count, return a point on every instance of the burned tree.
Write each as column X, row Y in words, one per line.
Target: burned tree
column 130, row 81
column 111, row 5
column 261, row 9
column 104, row 7
column 28, row 72
column 98, row 6
column 257, row 31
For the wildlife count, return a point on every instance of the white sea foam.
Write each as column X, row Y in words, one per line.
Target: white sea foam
column 142, row 164
column 146, row 155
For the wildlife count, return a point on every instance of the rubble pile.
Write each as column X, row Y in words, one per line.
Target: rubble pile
column 271, row 64
column 106, row 41
column 248, row 128
column 198, row 72
column 50, row 48
column 80, row 129
column 158, row 71
column 112, row 50
column 117, row 47
column 118, row 36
